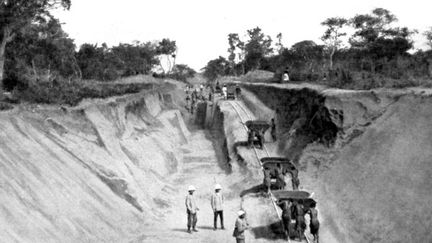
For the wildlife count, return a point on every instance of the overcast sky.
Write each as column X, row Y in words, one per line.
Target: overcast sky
column 200, row 27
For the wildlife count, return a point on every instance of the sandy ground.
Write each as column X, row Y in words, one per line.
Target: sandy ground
column 200, row 167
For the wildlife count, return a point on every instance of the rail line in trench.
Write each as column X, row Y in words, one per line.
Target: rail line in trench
column 249, row 117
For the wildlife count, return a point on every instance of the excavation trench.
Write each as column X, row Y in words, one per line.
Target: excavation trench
column 116, row 170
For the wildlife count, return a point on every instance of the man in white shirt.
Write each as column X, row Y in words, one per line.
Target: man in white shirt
column 285, row 77
column 191, row 209
column 225, row 91
column 217, row 201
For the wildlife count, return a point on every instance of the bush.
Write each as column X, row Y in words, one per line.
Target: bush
column 72, row 92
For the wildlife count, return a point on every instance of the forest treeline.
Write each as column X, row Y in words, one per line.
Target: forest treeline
column 36, row 54
column 378, row 53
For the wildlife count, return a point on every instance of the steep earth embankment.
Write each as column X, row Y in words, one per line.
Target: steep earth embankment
column 365, row 154
column 92, row 173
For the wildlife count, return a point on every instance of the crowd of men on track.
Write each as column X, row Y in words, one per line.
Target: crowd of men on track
column 292, row 211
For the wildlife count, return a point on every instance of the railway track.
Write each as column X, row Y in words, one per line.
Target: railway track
column 237, row 107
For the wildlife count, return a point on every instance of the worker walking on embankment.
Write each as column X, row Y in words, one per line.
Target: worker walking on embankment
column 191, row 210
column 217, row 201
column 240, row 227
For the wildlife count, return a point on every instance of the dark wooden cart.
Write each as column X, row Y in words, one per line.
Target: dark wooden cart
column 272, row 162
column 257, row 125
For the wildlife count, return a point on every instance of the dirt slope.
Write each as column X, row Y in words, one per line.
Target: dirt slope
column 83, row 174
column 365, row 154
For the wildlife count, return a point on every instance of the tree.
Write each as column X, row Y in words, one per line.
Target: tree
column 279, row 44
column 257, row 48
column 370, row 27
column 182, row 72
column 332, row 35
column 428, row 35
column 167, row 49
column 376, row 38
column 15, row 15
column 216, row 67
column 233, row 40
column 306, row 54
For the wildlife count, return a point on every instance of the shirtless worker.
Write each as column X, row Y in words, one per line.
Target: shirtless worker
column 267, row 179
column 273, row 129
column 280, row 177
column 294, row 179
column 191, row 210
column 314, row 223
column 300, row 219
column 238, row 91
column 286, row 217
column 251, row 138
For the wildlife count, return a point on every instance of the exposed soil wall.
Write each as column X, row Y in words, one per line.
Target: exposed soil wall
column 365, row 154
column 301, row 116
column 92, row 173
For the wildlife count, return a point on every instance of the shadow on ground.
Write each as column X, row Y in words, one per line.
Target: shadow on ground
column 273, row 231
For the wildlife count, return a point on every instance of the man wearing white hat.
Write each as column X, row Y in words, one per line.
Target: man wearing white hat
column 240, row 226
column 191, row 209
column 217, row 201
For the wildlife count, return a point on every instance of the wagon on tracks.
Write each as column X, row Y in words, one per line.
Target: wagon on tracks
column 272, row 162
column 301, row 197
column 231, row 92
column 257, row 125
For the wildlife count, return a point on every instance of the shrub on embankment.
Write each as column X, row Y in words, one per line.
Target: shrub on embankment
column 72, row 92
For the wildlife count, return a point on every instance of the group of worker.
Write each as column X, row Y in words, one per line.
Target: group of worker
column 294, row 211
column 280, row 173
column 224, row 91
column 193, row 95
column 217, row 204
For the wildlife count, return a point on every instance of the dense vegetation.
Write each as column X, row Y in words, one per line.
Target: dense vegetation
column 378, row 54
column 39, row 62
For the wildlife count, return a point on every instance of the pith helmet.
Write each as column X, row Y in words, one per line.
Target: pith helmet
column 191, row 188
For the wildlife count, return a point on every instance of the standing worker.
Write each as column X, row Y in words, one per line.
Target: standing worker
column 187, row 101
column 238, row 91
column 294, row 179
column 240, row 226
column 192, row 106
column 225, row 91
column 251, row 138
column 273, row 129
column 267, row 180
column 191, row 209
column 314, row 223
column 285, row 77
column 217, row 201
column 280, row 177
column 260, row 136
